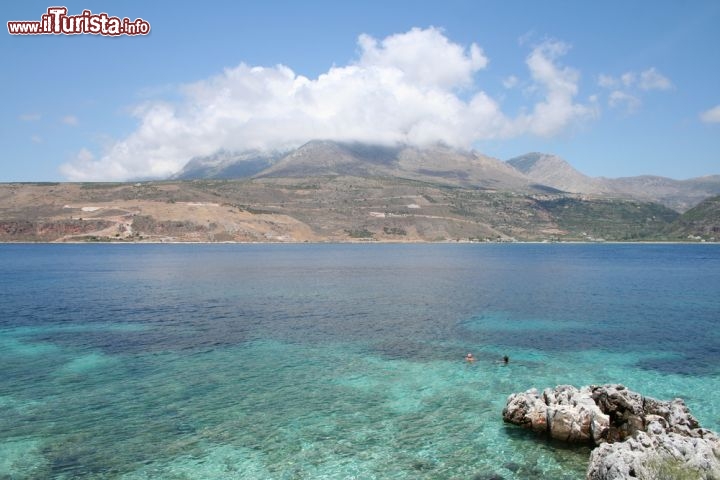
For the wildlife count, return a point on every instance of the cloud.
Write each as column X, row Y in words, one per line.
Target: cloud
column 711, row 116
column 510, row 82
column 628, row 79
column 619, row 99
column 416, row 87
column 36, row 139
column 84, row 161
column 557, row 109
column 71, row 120
column 417, row 55
column 651, row 79
column 606, row 81
column 628, row 87
column 30, row 117
column 526, row 38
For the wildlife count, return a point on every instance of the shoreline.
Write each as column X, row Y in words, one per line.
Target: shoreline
column 373, row 242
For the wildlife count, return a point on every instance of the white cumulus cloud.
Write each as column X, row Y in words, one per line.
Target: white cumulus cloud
column 423, row 57
column 711, row 116
column 558, row 108
column 416, row 87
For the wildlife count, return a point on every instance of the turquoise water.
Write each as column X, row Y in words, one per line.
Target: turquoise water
column 334, row 361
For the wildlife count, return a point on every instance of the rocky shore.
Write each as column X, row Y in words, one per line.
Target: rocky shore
column 636, row 437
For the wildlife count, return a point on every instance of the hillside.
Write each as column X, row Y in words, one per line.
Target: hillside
column 700, row 222
column 555, row 172
column 606, row 219
column 438, row 164
column 336, row 208
column 680, row 195
column 226, row 165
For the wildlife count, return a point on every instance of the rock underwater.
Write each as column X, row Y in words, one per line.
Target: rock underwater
column 637, row 437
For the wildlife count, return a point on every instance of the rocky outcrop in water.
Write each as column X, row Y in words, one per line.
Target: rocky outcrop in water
column 565, row 413
column 637, row 436
column 653, row 456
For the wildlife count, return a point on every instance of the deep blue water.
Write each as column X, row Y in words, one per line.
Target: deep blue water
column 334, row 361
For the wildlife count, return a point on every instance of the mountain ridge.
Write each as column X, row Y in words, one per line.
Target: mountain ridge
column 554, row 171
column 530, row 173
column 435, row 163
column 326, row 191
column 680, row 195
column 224, row 164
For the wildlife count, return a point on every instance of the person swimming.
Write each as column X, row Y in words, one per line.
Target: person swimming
column 469, row 357
column 506, row 359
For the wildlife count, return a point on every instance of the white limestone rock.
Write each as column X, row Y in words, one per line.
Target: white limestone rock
column 637, row 437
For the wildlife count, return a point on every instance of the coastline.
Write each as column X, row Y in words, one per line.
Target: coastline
column 366, row 242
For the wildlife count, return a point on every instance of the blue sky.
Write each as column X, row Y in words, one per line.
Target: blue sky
column 616, row 88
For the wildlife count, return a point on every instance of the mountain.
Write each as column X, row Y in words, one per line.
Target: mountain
column 343, row 191
column 680, row 195
column 433, row 164
column 465, row 168
column 555, row 172
column 322, row 158
column 533, row 172
column 701, row 221
column 226, row 165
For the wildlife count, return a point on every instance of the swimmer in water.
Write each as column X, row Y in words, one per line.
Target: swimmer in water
column 506, row 359
column 469, row 358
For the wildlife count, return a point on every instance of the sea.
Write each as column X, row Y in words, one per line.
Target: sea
column 334, row 361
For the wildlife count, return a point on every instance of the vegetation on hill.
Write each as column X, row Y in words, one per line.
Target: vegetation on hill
column 701, row 222
column 334, row 208
column 623, row 220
